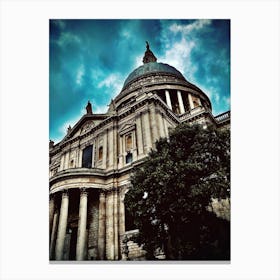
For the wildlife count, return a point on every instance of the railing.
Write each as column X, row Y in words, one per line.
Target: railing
column 192, row 113
column 223, row 117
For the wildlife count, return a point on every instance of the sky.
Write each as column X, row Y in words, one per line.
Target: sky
column 90, row 60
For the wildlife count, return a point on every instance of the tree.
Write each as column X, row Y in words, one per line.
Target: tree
column 171, row 192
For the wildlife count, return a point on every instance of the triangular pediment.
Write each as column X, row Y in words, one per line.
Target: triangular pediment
column 127, row 127
column 85, row 124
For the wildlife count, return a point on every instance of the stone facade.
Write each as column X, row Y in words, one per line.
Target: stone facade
column 91, row 166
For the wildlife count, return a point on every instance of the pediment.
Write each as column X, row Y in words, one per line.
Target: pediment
column 88, row 126
column 127, row 127
column 85, row 124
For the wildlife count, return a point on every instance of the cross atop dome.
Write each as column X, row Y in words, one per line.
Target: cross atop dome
column 149, row 56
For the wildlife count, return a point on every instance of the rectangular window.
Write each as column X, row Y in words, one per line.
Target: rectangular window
column 128, row 158
column 87, row 157
column 128, row 142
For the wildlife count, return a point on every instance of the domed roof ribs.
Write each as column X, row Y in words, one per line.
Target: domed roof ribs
column 149, row 56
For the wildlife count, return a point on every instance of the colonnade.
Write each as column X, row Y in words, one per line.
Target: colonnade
column 180, row 101
column 110, row 225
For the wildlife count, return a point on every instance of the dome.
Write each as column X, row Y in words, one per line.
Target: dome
column 152, row 67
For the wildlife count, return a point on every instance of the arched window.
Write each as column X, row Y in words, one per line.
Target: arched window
column 100, row 153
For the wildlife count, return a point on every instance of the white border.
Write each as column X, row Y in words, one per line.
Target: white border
column 255, row 138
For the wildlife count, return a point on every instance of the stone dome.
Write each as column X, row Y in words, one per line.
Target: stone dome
column 150, row 68
column 159, row 78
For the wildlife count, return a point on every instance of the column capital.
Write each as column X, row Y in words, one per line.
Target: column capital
column 102, row 193
column 65, row 193
column 83, row 191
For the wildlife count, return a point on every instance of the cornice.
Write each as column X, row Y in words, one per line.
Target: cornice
column 93, row 172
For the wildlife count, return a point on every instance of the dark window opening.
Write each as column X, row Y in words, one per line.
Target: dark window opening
column 73, row 243
column 174, row 102
column 195, row 102
column 128, row 158
column 129, row 222
column 186, row 101
column 161, row 94
column 87, row 157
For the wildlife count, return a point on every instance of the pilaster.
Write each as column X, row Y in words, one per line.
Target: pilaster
column 110, row 250
column 102, row 225
column 153, row 125
column 139, row 135
column 116, row 236
column 147, row 129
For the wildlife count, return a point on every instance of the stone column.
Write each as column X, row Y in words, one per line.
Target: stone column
column 168, row 100
column 66, row 162
column 93, row 155
column 121, row 151
column 116, row 236
column 180, row 100
column 115, row 146
column 105, row 139
column 62, row 226
column 80, row 158
column 53, row 234
column 62, row 163
column 110, row 250
column 110, row 148
column 154, row 127
column 165, row 127
column 190, row 101
column 51, row 214
column 134, row 147
column 160, row 124
column 101, row 225
column 82, row 226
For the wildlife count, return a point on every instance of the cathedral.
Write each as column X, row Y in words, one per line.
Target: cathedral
column 90, row 168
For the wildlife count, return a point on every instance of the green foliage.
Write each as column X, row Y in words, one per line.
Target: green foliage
column 171, row 191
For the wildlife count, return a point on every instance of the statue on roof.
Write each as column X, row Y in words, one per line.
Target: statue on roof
column 147, row 45
column 89, row 108
column 149, row 56
column 51, row 144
